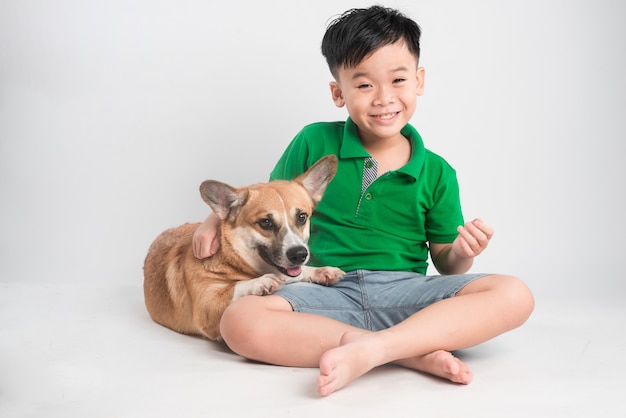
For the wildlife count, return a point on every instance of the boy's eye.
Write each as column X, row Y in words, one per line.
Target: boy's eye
column 363, row 86
column 398, row 80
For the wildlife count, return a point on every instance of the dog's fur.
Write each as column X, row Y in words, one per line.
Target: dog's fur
column 263, row 233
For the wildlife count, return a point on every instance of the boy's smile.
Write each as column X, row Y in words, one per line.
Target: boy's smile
column 380, row 93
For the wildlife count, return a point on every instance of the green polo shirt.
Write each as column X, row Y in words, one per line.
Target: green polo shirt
column 387, row 225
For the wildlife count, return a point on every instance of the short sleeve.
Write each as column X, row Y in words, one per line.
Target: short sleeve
column 445, row 214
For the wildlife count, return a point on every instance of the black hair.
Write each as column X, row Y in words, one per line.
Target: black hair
column 357, row 33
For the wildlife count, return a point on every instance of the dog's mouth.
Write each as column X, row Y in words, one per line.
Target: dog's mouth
column 287, row 271
column 291, row 272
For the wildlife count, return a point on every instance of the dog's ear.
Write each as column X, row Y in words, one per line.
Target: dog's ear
column 317, row 177
column 221, row 197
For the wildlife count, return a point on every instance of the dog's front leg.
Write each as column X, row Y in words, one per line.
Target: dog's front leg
column 261, row 286
column 322, row 275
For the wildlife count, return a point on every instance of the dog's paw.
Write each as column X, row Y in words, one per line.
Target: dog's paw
column 261, row 286
column 326, row 276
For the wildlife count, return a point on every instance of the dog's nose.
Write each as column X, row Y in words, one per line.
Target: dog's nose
column 297, row 255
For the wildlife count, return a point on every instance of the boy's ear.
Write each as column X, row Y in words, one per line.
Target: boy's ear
column 420, row 80
column 337, row 94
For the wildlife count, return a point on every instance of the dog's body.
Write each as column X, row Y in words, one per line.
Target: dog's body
column 263, row 235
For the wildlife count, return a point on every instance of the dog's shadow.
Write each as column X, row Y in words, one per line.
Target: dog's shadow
column 218, row 348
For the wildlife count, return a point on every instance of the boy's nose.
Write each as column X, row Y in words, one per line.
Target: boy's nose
column 384, row 96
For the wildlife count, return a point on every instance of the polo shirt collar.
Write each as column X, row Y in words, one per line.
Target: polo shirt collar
column 351, row 147
column 414, row 167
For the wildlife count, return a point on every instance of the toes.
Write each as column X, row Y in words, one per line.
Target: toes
column 326, row 386
column 324, row 391
column 326, row 381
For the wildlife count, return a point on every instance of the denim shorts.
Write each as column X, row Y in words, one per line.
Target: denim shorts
column 374, row 300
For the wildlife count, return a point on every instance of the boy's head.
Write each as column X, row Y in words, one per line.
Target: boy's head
column 358, row 33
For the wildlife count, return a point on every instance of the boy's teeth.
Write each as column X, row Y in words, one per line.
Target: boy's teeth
column 387, row 116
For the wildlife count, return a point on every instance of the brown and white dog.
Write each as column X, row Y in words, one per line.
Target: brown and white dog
column 263, row 233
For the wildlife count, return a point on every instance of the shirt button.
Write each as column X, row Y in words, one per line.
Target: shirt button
column 368, row 196
column 368, row 164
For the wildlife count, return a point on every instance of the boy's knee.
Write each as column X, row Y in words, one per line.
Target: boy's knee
column 513, row 294
column 233, row 326
column 518, row 297
column 244, row 324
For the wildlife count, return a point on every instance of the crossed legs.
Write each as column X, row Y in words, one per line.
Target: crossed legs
column 266, row 329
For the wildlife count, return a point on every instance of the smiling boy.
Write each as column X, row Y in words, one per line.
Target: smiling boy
column 391, row 202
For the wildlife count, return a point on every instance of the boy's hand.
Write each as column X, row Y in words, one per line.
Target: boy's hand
column 473, row 238
column 205, row 242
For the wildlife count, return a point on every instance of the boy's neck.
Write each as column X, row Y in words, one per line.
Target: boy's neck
column 390, row 153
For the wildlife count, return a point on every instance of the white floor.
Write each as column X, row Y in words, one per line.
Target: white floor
column 72, row 351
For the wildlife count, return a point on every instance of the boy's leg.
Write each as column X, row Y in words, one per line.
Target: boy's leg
column 288, row 338
column 266, row 329
column 483, row 309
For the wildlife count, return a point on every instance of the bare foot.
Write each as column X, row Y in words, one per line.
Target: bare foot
column 440, row 363
column 360, row 353
column 354, row 357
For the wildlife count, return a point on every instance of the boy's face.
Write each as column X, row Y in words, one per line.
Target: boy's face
column 381, row 92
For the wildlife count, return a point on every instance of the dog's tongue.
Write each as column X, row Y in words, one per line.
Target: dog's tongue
column 294, row 271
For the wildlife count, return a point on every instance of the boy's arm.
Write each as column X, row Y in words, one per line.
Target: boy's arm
column 205, row 242
column 457, row 257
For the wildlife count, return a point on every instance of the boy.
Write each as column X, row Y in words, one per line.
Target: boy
column 390, row 203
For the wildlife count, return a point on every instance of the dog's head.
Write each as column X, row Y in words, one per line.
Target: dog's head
column 267, row 224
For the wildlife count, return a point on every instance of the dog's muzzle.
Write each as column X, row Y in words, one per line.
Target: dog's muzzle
column 295, row 256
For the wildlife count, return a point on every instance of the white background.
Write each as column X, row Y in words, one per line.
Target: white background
column 113, row 112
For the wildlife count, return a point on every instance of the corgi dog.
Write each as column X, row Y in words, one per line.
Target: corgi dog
column 263, row 233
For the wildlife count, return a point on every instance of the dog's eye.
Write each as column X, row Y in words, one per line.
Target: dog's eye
column 301, row 218
column 266, row 224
